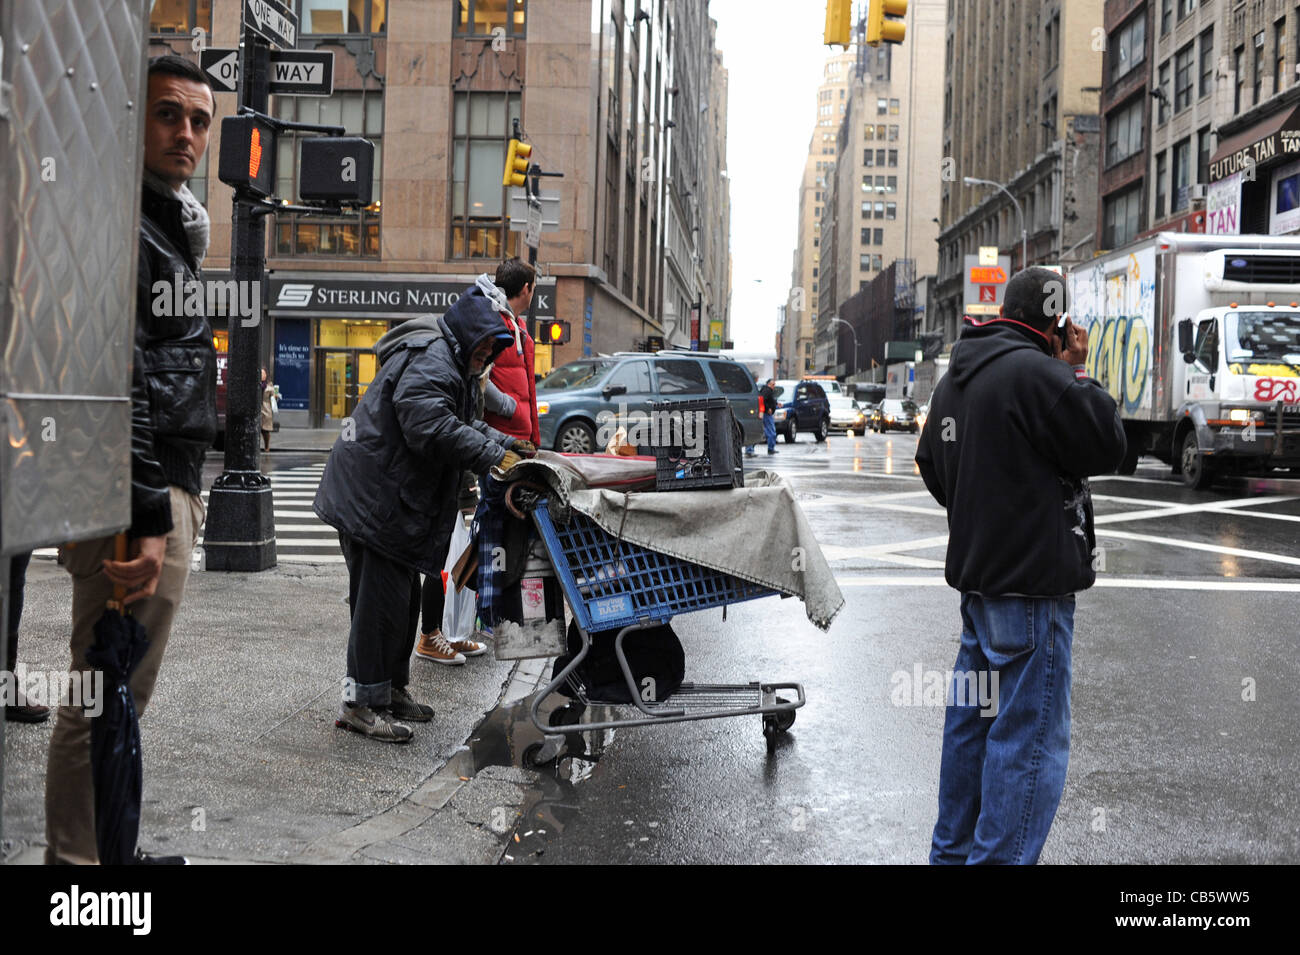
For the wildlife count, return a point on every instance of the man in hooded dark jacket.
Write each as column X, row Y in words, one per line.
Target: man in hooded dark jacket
column 390, row 488
column 1015, row 428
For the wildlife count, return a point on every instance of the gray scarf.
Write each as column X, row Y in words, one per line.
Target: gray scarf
column 194, row 218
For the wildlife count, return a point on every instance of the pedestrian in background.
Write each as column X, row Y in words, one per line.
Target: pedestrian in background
column 391, row 491
column 173, row 423
column 767, row 398
column 268, row 411
column 1015, row 428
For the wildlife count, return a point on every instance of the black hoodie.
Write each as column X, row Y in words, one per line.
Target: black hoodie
column 392, row 478
column 1011, row 436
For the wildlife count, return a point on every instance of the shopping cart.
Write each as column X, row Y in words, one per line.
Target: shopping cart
column 610, row 583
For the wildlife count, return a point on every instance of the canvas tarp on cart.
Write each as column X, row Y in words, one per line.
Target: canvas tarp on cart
column 757, row 533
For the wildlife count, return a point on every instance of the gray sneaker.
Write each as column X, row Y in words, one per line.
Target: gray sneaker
column 402, row 707
column 367, row 722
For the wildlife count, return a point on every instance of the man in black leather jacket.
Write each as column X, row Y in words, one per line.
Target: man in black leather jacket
column 173, row 422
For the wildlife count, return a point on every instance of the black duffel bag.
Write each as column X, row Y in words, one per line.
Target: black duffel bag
column 655, row 656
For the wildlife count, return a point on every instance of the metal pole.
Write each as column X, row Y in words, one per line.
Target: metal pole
column 5, row 664
column 240, row 532
column 534, row 191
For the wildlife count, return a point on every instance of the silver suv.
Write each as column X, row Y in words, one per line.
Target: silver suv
column 575, row 400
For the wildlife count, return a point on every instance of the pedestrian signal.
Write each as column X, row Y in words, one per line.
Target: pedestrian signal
column 516, row 163
column 247, row 159
column 885, row 21
column 555, row 333
column 839, row 14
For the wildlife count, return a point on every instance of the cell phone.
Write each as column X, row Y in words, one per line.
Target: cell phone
column 1061, row 331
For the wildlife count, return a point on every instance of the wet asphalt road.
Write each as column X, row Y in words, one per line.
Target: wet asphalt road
column 1186, row 730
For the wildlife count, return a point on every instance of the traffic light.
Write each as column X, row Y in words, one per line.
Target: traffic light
column 516, row 164
column 555, row 333
column 337, row 169
column 885, row 21
column 839, row 14
column 247, row 159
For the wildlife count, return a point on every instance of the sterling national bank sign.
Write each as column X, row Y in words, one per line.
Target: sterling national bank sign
column 378, row 296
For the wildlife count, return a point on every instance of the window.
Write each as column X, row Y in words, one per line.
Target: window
column 1124, row 132
column 882, row 106
column 732, row 378
column 1162, row 180
column 880, row 157
column 338, row 17
column 893, row 132
column 480, row 132
column 875, row 262
column 681, row 376
column 481, row 17
column 1239, row 77
column 1121, row 218
column 1206, row 350
column 1166, row 16
column 1279, row 55
column 880, row 131
column 891, row 210
column 1259, row 68
column 1163, row 87
column 866, row 183
column 1203, row 156
column 893, row 107
column 1049, row 122
column 1182, row 173
column 1183, row 79
column 1128, row 46
column 1185, row 8
column 864, row 261
column 868, row 157
column 180, row 16
column 869, row 131
column 634, row 376
column 893, row 157
column 1207, row 63
column 866, row 210
column 355, row 234
column 891, row 184
column 865, row 237
column 878, row 237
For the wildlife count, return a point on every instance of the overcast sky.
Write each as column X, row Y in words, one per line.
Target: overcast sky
column 774, row 56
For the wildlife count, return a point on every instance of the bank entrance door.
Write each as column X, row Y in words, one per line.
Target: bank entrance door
column 342, row 377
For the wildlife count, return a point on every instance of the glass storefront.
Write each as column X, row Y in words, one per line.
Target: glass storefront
column 345, row 365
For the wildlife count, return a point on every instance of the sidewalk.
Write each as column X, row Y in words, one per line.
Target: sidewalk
column 242, row 761
column 303, row 439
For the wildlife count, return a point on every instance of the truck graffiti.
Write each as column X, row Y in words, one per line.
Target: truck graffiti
column 1113, row 309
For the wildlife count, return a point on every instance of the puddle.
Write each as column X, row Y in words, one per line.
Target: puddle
column 508, row 737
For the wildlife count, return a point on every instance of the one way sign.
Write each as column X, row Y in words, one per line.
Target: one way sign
column 293, row 72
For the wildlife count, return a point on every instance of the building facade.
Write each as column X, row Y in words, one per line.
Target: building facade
column 1021, row 109
column 609, row 96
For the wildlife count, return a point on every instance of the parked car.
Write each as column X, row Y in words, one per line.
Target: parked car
column 802, row 407
column 847, row 415
column 896, row 414
column 575, row 400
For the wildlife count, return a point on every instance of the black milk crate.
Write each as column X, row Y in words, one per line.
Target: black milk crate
column 686, row 460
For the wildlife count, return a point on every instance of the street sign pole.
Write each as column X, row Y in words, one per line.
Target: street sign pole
column 533, row 238
column 240, row 531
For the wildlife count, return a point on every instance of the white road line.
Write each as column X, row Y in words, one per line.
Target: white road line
column 1133, row 480
column 1120, row 583
column 1176, row 510
column 1210, row 548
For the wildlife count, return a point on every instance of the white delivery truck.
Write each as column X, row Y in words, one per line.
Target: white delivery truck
column 1197, row 337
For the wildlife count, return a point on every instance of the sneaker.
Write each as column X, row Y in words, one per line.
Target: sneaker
column 773, row 451
column 144, row 858
column 402, row 707
column 364, row 720
column 434, row 646
column 471, row 648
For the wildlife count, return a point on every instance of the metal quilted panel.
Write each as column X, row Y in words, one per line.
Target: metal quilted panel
column 71, row 118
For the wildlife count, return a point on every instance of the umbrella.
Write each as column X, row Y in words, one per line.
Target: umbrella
column 115, row 767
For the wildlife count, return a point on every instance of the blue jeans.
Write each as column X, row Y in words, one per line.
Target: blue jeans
column 769, row 431
column 1003, row 774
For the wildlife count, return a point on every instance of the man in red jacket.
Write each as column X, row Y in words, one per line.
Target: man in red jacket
column 512, row 410
column 513, row 371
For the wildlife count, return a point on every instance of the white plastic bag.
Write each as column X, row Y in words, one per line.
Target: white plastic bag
column 458, row 613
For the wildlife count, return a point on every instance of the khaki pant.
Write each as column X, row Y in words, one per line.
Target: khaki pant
column 69, row 798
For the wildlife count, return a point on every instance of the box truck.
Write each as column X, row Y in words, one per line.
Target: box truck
column 1197, row 337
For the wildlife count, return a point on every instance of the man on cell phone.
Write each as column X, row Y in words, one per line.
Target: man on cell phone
column 1015, row 428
